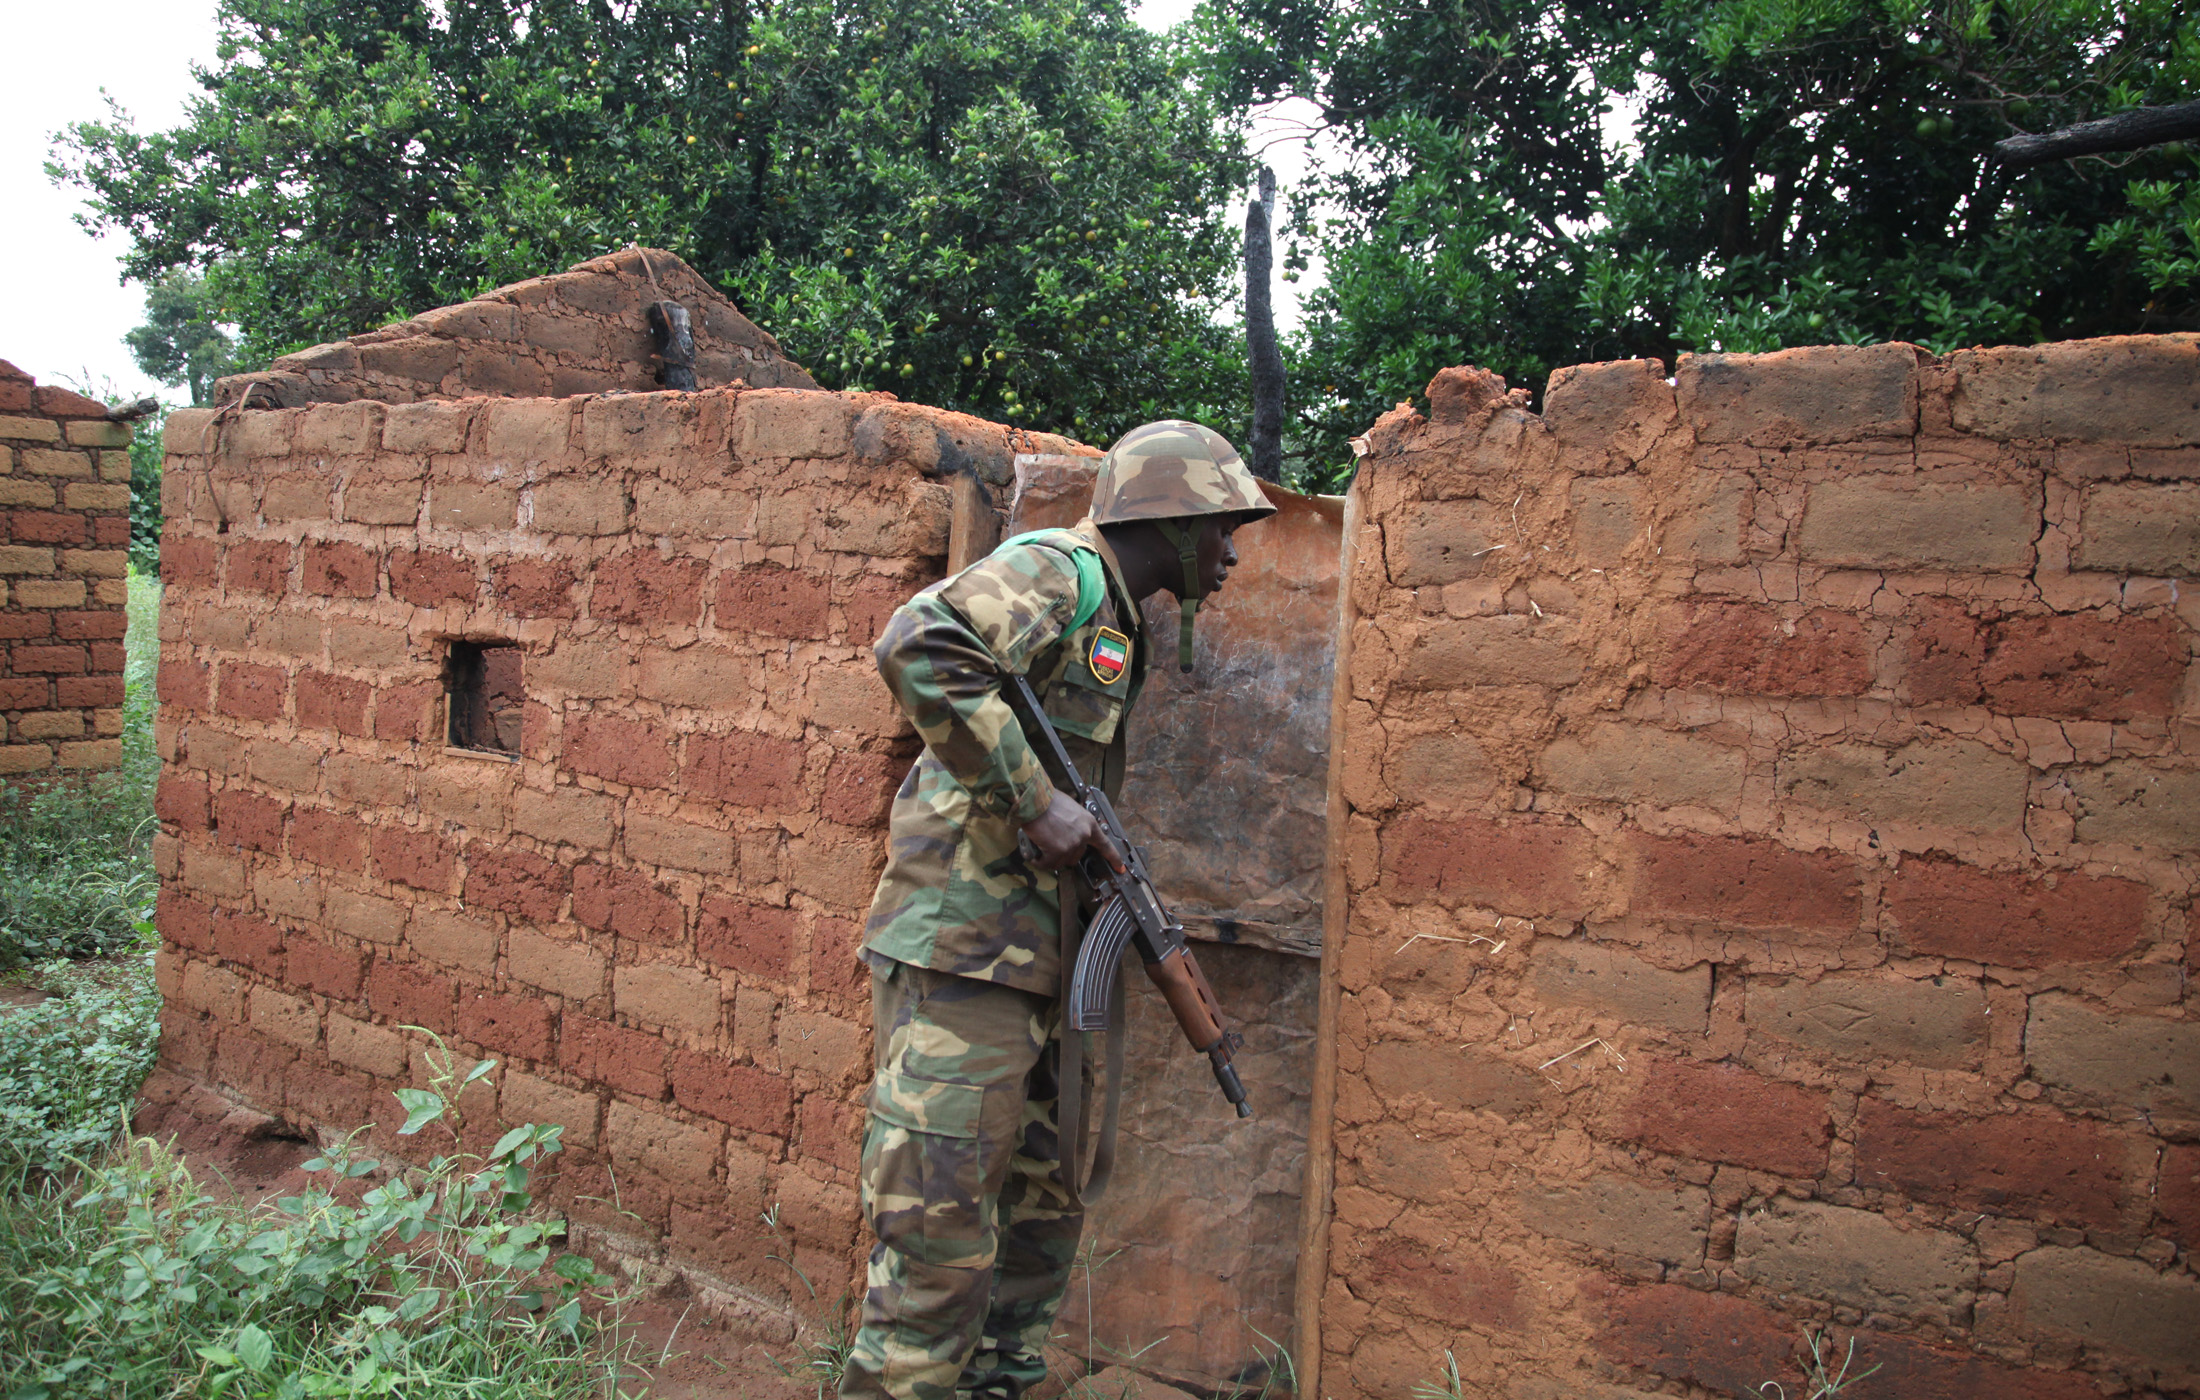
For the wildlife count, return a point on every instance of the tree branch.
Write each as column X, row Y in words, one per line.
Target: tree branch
column 2126, row 131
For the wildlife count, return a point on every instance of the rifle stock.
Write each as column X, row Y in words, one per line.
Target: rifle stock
column 1130, row 912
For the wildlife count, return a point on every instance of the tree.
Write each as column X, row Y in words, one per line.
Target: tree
column 180, row 343
column 1007, row 206
column 1798, row 172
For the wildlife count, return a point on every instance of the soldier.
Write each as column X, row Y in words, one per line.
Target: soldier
column 964, row 1179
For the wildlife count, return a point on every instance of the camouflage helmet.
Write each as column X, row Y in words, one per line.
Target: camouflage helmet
column 1173, row 468
column 1167, row 472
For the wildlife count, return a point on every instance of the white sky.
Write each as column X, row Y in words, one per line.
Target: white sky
column 64, row 310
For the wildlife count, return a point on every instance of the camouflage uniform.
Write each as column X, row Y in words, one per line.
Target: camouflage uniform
column 963, row 1182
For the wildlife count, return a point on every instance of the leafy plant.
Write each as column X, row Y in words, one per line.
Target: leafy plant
column 70, row 1066
column 443, row 1279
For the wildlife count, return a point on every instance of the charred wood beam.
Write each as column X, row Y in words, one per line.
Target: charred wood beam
column 1263, row 358
column 2126, row 131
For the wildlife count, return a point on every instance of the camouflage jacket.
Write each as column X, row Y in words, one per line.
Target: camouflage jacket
column 955, row 895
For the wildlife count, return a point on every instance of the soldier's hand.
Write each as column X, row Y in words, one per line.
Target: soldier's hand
column 1065, row 831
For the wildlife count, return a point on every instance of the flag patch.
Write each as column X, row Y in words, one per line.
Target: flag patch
column 1111, row 652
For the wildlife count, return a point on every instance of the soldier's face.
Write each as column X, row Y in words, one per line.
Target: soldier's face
column 1217, row 554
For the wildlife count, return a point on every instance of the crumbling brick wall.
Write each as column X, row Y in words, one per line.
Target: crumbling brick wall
column 649, row 912
column 581, row 331
column 1768, row 813
column 64, row 554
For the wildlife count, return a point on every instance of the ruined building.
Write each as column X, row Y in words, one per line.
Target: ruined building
column 1740, row 881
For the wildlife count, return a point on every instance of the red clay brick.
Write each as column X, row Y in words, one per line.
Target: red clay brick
column 107, row 657
column 48, row 660
column 749, row 937
column 183, row 684
column 832, row 1132
column 259, row 566
column 1744, row 883
column 429, row 579
column 250, row 819
column 523, row 1026
column 186, row 561
column 533, row 588
column 251, row 692
column 341, row 571
column 27, row 692
column 2178, row 1195
column 1911, row 1370
column 332, row 702
column 330, row 840
column 1947, row 909
column 110, row 529
column 626, row 1060
column 748, row 770
column 1526, row 868
column 2060, row 667
column 406, row 711
column 416, row 858
column 1716, row 1341
column 860, row 787
column 183, row 921
column 836, row 966
column 2035, row 1165
column 627, row 904
column 1760, row 1122
column 411, row 998
column 638, row 586
column 620, row 750
column 318, row 967
column 1458, row 1288
column 89, row 690
column 46, row 527
column 740, row 1095
column 256, row 1067
column 187, row 1043
column 25, row 626
column 518, row 882
column 241, row 938
column 56, row 402
column 869, row 603
column 182, row 800
column 91, row 626
column 780, row 602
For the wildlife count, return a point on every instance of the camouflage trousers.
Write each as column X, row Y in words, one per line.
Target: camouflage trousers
column 963, row 1187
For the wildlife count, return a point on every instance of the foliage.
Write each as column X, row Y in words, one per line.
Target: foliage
column 1798, row 172
column 1007, row 206
column 181, row 344
column 130, row 1281
column 70, row 1066
column 76, row 852
column 145, row 516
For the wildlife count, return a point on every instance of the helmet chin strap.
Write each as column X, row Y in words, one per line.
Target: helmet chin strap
column 1184, row 534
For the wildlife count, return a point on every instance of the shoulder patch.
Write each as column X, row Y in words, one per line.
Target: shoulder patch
column 1111, row 652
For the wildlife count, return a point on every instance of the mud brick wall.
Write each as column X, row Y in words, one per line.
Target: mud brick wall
column 650, row 914
column 1769, row 816
column 582, row 331
column 64, row 554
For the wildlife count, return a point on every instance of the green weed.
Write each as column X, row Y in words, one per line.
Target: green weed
column 70, row 1067
column 127, row 1280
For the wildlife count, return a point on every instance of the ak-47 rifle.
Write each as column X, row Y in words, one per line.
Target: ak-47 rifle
column 1130, row 912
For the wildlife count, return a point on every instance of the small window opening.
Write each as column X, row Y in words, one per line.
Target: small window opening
column 482, row 681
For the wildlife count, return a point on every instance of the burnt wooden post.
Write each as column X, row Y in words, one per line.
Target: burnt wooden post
column 1264, row 359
